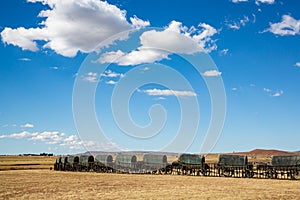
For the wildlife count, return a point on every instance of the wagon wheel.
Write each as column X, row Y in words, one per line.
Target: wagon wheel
column 295, row 175
column 249, row 173
column 269, row 173
column 226, row 172
column 206, row 172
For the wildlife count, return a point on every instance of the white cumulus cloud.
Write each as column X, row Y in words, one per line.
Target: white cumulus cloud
column 61, row 139
column 70, row 26
column 211, row 73
column 20, row 135
column 47, row 136
column 297, row 64
column 287, row 26
column 158, row 45
column 138, row 23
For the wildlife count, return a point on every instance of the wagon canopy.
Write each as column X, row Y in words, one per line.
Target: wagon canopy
column 86, row 158
column 125, row 159
column 285, row 160
column 233, row 160
column 192, row 159
column 71, row 159
column 58, row 160
column 155, row 159
column 62, row 160
column 102, row 158
column 76, row 159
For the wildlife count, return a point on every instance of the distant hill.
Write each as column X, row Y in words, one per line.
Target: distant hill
column 268, row 152
column 273, row 152
column 126, row 152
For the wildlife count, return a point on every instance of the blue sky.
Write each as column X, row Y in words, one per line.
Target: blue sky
column 71, row 72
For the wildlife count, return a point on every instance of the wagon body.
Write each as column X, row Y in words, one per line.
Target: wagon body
column 125, row 163
column 285, row 161
column 287, row 167
column 233, row 160
column 103, row 163
column 104, row 159
column 86, row 163
column 154, row 163
column 234, row 165
column 191, row 159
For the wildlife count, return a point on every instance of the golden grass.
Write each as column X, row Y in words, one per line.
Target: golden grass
column 42, row 184
column 26, row 162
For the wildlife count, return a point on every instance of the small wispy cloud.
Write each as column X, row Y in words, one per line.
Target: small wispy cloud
column 111, row 77
column 258, row 2
column 238, row 1
column 212, row 73
column 236, row 25
column 91, row 77
column 111, row 74
column 25, row 59
column 160, row 98
column 278, row 94
column 223, row 51
column 111, row 82
column 272, row 93
column 297, row 64
column 27, row 125
column 233, row 89
column 146, row 69
column 266, row 89
column 54, row 68
column 9, row 125
column 167, row 92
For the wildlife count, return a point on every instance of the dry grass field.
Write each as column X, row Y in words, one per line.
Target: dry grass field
column 26, row 162
column 46, row 184
column 41, row 183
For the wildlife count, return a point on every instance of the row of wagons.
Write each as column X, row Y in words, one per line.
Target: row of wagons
column 228, row 165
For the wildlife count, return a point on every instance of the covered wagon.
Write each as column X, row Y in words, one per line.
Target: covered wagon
column 125, row 163
column 154, row 163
